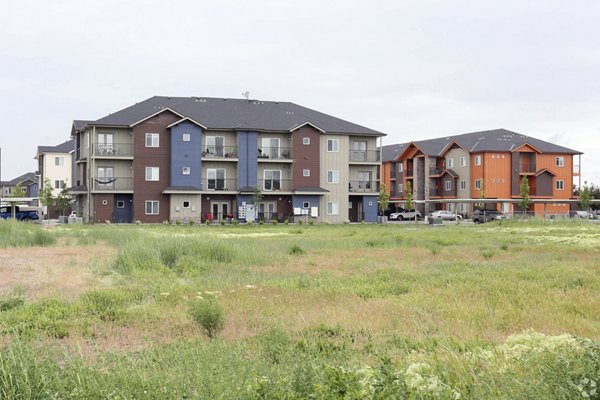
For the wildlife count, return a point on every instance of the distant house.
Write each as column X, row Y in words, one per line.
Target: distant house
column 199, row 158
column 29, row 186
column 489, row 165
column 55, row 164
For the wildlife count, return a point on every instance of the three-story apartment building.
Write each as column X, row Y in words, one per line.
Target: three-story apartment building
column 55, row 167
column 487, row 165
column 193, row 158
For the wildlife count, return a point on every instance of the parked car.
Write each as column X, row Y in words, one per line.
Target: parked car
column 405, row 215
column 582, row 214
column 481, row 216
column 20, row 215
column 445, row 215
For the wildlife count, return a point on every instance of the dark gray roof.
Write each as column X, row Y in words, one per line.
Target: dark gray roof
column 78, row 124
column 315, row 189
column 237, row 114
column 29, row 176
column 183, row 188
column 390, row 152
column 492, row 140
column 65, row 147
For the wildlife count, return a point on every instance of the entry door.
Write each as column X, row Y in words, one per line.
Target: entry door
column 220, row 209
column 123, row 208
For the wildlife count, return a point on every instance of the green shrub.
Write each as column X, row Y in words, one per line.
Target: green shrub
column 274, row 222
column 222, row 222
column 209, row 315
column 296, row 250
column 8, row 303
column 286, row 222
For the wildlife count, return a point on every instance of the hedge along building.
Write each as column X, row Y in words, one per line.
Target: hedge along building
column 488, row 165
column 196, row 158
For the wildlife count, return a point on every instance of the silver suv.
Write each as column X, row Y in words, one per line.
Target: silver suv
column 481, row 216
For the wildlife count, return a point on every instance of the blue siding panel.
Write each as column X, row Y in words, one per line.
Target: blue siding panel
column 186, row 154
column 248, row 160
column 370, row 208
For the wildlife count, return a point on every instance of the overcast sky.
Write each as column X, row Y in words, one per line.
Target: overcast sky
column 411, row 69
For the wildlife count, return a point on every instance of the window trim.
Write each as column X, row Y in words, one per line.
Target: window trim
column 450, row 162
column 447, row 186
column 463, row 161
column 59, row 161
column 186, row 171
column 478, row 184
column 562, row 184
column 306, row 141
column 559, row 161
column 334, row 149
column 186, row 137
column 152, row 136
column 306, row 173
column 152, row 204
column 272, row 180
column 335, row 208
column 463, row 184
column 400, row 167
column 151, row 170
column 478, row 159
column 216, row 178
column 335, row 173
column 183, row 204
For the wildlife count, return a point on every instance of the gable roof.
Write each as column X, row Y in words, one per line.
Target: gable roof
column 29, row 176
column 65, row 147
column 235, row 114
column 390, row 152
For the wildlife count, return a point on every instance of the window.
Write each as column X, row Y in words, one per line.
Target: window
column 448, row 185
column 333, row 145
column 272, row 180
column 477, row 183
column 364, row 180
column 105, row 178
column 478, row 160
column 185, row 170
column 60, row 161
column 306, row 141
column 400, row 167
column 186, row 137
column 400, row 187
column 215, row 178
column 463, row 185
column 186, row 204
column 120, row 204
column 105, row 144
column 333, row 208
column 333, row 176
column 560, row 161
column 462, row 207
column 306, row 172
column 449, row 162
column 560, row 185
column 306, row 204
column 58, row 184
column 359, row 151
column 152, row 173
column 463, row 161
column 24, row 189
column 214, row 146
column 151, row 139
column 270, row 148
column 152, row 207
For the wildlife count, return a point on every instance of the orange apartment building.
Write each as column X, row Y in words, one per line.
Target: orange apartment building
column 482, row 165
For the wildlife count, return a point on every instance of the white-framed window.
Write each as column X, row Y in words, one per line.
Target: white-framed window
column 560, row 185
column 152, row 140
column 478, row 160
column 559, row 161
column 59, row 161
column 270, row 148
column 400, row 167
column 463, row 161
column 58, row 184
column 306, row 141
column 215, row 178
column 449, row 162
column 333, row 176
column 272, row 180
column 24, row 189
column 186, row 170
column 333, row 145
column 186, row 137
column 214, row 146
column 105, row 179
column 462, row 207
column 306, row 204
column 463, row 185
column 306, row 172
column 448, row 185
column 333, row 208
column 120, row 204
column 152, row 173
column 185, row 204
column 400, row 187
column 152, row 207
column 477, row 183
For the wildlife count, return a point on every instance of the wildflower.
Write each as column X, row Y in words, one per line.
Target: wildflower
column 250, row 287
column 165, row 294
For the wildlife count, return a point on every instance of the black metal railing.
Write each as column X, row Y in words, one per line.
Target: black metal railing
column 217, row 151
column 219, row 184
column 274, row 153
column 275, row 185
column 363, row 186
column 112, row 183
column 365, row 156
column 113, row 150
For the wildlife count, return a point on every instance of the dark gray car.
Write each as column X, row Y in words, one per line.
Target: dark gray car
column 481, row 216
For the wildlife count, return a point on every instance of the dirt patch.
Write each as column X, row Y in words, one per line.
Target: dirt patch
column 60, row 271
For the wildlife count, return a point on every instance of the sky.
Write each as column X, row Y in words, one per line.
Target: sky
column 411, row 69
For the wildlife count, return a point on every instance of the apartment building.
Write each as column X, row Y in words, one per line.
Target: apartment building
column 197, row 158
column 488, row 164
column 55, row 165
column 28, row 183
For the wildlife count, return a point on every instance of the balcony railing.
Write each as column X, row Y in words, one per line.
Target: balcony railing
column 112, row 183
column 408, row 172
column 433, row 192
column 365, row 156
column 526, row 168
column 575, row 169
column 219, row 151
column 274, row 153
column 435, row 171
column 275, row 185
column 219, row 184
column 113, row 150
column 363, row 186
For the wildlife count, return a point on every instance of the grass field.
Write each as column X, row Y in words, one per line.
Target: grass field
column 493, row 311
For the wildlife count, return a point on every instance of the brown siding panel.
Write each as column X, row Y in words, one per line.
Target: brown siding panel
column 306, row 157
column 104, row 212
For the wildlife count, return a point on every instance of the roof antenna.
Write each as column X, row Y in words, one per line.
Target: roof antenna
column 246, row 94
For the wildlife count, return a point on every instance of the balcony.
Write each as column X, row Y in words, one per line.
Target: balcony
column 575, row 169
column 113, row 150
column 274, row 153
column 219, row 184
column 435, row 171
column 365, row 156
column 221, row 152
column 112, row 183
column 527, row 168
column 434, row 192
column 363, row 186
column 408, row 172
column 275, row 185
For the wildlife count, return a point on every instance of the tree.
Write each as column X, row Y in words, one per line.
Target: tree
column 525, row 200
column 64, row 199
column 257, row 197
column 17, row 191
column 46, row 194
column 408, row 203
column 585, row 197
column 384, row 199
column 481, row 196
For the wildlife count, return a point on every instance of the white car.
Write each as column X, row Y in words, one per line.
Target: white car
column 445, row 215
column 405, row 215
